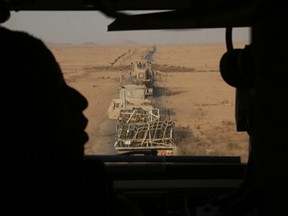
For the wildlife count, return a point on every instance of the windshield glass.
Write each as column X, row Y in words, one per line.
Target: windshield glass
column 159, row 90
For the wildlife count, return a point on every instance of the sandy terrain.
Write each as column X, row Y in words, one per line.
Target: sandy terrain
column 188, row 84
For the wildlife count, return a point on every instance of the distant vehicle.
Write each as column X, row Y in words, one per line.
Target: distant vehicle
column 130, row 96
column 137, row 91
column 142, row 74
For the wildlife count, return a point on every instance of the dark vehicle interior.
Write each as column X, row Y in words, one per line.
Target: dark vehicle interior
column 203, row 185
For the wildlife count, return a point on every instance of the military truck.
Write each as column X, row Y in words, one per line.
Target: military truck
column 142, row 74
column 142, row 130
column 130, row 96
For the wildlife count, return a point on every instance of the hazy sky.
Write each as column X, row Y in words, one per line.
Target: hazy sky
column 91, row 26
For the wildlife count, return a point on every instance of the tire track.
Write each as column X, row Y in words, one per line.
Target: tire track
column 131, row 55
column 117, row 59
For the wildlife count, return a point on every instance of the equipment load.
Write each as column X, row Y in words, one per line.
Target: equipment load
column 139, row 129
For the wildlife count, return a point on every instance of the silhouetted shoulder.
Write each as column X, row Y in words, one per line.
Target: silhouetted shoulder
column 31, row 79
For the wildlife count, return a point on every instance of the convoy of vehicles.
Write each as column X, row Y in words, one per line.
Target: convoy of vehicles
column 141, row 126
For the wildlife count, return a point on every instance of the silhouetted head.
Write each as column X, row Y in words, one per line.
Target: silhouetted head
column 41, row 115
column 4, row 11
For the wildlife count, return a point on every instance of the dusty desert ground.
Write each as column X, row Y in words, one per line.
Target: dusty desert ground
column 189, row 84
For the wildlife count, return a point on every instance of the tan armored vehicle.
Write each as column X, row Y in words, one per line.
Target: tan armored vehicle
column 130, row 96
column 136, row 92
column 142, row 74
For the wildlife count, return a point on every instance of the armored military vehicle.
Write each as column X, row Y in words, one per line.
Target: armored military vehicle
column 142, row 74
column 130, row 96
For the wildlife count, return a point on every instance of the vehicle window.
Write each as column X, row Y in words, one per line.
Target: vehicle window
column 159, row 89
